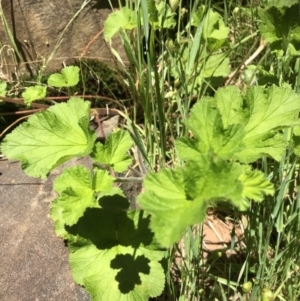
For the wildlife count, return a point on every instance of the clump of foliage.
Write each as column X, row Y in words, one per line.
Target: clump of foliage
column 94, row 216
column 198, row 146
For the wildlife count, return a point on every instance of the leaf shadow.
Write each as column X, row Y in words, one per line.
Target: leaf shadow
column 113, row 225
column 130, row 267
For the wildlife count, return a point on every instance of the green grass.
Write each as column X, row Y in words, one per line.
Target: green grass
column 268, row 256
column 163, row 80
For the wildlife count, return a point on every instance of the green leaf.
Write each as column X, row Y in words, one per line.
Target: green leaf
column 113, row 152
column 3, row 86
column 266, row 112
column 214, row 30
column 34, row 93
column 114, row 257
column 77, row 190
column 245, row 128
column 280, row 25
column 256, row 185
column 207, row 66
column 296, row 130
column 152, row 12
column 270, row 19
column 217, row 65
column 178, row 198
column 68, row 77
column 51, row 137
column 210, row 136
column 160, row 15
column 124, row 18
column 272, row 145
column 281, row 3
column 230, row 103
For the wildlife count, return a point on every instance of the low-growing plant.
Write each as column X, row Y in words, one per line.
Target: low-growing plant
column 233, row 148
column 116, row 252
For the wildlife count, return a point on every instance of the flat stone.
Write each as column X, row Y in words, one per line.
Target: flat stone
column 38, row 27
column 33, row 261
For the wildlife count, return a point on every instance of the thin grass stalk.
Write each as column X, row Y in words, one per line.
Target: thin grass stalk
column 158, row 102
column 136, row 133
column 8, row 33
column 144, row 83
column 151, row 101
column 266, row 275
column 282, row 258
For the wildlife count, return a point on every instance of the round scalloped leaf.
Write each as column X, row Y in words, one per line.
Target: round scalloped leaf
column 113, row 152
column 68, row 77
column 34, row 93
column 266, row 111
column 124, row 18
column 114, row 256
column 51, row 137
column 178, row 198
column 77, row 189
column 210, row 133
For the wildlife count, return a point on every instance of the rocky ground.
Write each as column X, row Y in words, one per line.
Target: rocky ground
column 33, row 261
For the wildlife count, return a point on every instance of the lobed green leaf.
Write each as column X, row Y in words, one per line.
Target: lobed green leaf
column 266, row 112
column 34, row 93
column 257, row 118
column 281, row 26
column 210, row 134
column 51, row 137
column 178, row 198
column 256, row 185
column 214, row 30
column 114, row 257
column 113, row 152
column 124, row 18
column 78, row 189
column 68, row 77
column 161, row 15
column 281, row 3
